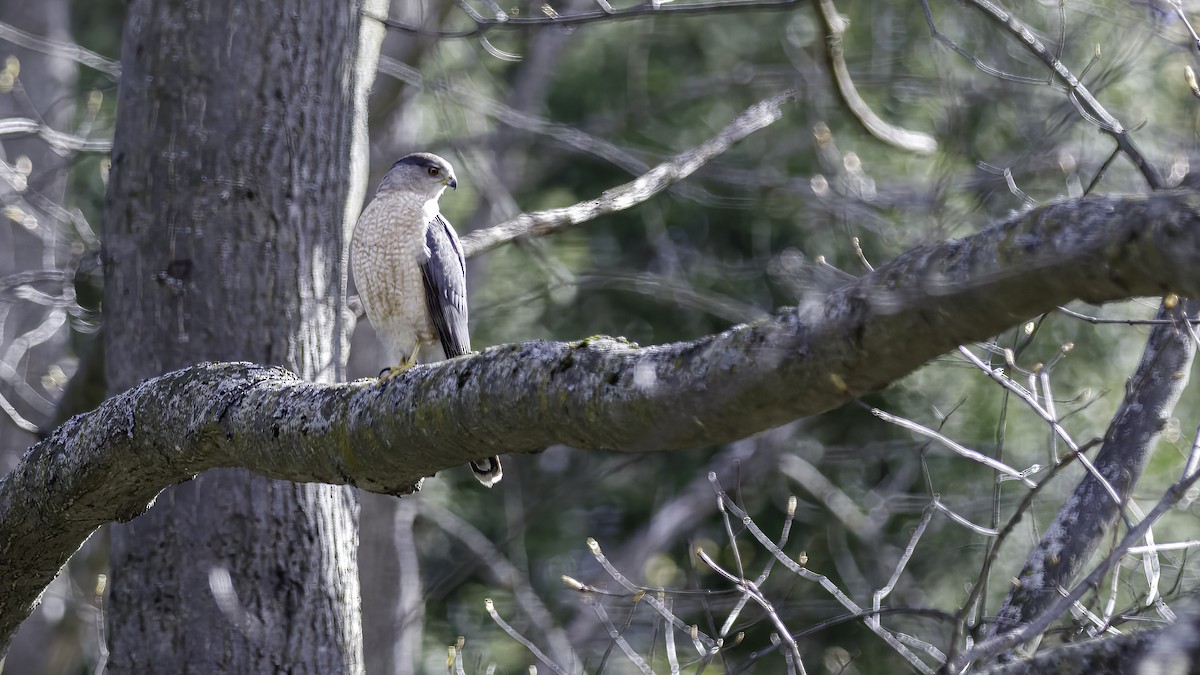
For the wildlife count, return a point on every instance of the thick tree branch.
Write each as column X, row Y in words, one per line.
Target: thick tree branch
column 1139, row 652
column 1070, row 541
column 595, row 394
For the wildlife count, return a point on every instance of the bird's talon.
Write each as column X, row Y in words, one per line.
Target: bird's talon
column 394, row 371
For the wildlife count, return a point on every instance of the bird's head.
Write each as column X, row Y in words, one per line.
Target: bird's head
column 421, row 172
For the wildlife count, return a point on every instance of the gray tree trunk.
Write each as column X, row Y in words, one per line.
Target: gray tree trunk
column 238, row 160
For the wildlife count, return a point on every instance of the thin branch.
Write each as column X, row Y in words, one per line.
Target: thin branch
column 750, row 590
column 67, row 50
column 973, row 455
column 605, row 13
column 17, row 418
column 886, row 590
column 1074, row 535
column 512, row 632
column 825, row 583
column 1025, row 632
column 727, row 627
column 1087, row 104
column 616, row 636
column 654, row 181
column 1030, row 400
column 1095, row 320
column 59, row 141
column 704, row 643
column 899, row 137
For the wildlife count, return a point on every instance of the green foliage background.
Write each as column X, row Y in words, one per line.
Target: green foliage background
column 740, row 239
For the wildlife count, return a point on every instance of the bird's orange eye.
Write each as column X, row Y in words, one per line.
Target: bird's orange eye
column 433, row 171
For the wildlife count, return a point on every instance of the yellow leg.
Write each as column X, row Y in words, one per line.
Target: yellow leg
column 404, row 365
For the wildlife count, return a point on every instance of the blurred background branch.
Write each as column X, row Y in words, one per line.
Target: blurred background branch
column 710, row 199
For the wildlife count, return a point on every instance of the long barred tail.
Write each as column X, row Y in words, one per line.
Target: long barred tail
column 488, row 471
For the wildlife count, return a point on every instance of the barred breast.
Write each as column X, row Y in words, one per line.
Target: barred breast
column 384, row 252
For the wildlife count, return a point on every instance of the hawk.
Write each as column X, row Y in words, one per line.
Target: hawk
column 411, row 274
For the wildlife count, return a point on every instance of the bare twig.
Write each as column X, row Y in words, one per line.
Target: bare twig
column 977, row 529
column 899, row 137
column 704, row 643
column 62, row 142
column 616, row 636
column 1089, row 108
column 456, row 652
column 654, row 181
column 1095, row 320
column 1031, row 400
column 825, row 583
column 672, row 653
column 750, row 590
column 68, row 50
column 957, row 447
column 1025, row 632
column 727, row 627
column 886, row 589
column 605, row 13
column 17, row 418
column 512, row 632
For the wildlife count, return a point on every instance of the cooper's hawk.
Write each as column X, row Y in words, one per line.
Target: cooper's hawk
column 410, row 271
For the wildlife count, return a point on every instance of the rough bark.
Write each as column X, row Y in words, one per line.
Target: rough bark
column 598, row 393
column 237, row 163
column 1173, row 649
column 1080, row 525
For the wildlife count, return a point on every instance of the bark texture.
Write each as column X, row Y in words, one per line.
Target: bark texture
column 225, row 235
column 597, row 393
column 1171, row 650
column 1080, row 526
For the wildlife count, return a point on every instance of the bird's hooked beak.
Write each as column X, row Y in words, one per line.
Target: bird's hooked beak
column 452, row 183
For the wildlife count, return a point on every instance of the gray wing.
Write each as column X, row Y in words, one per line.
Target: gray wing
column 445, row 275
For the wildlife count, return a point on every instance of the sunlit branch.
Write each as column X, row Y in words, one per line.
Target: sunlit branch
column 68, row 50
column 62, row 142
column 1077, row 530
column 564, row 134
column 654, row 181
column 1087, row 105
column 484, row 24
column 1005, row 641
column 911, row 141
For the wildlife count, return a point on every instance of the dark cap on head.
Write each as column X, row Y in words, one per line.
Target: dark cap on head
column 424, row 160
column 428, row 160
